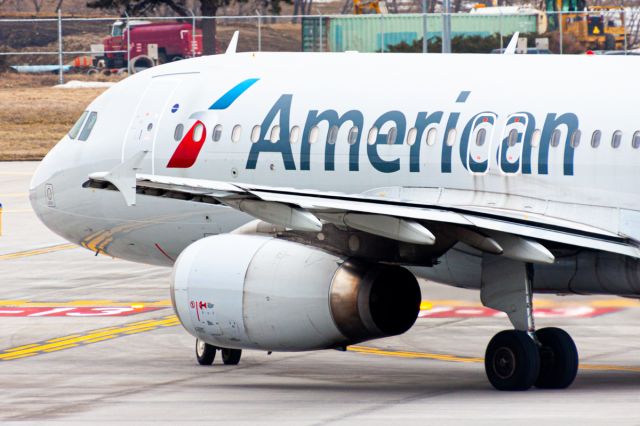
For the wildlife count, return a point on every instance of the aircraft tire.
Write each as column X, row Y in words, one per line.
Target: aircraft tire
column 512, row 361
column 231, row 356
column 558, row 359
column 205, row 353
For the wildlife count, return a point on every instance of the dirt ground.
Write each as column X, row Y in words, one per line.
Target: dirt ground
column 34, row 115
column 33, row 118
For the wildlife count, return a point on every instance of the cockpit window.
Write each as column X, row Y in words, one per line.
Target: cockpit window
column 76, row 127
column 88, row 126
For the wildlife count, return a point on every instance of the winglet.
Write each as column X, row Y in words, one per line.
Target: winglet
column 511, row 47
column 233, row 44
column 123, row 177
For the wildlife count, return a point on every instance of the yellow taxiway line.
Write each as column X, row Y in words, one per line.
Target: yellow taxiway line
column 34, row 252
column 14, row 195
column 93, row 336
column 16, row 173
column 107, row 333
column 456, row 358
column 17, row 211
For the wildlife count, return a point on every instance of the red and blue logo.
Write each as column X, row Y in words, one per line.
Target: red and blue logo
column 189, row 148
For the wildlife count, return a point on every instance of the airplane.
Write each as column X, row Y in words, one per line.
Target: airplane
column 298, row 197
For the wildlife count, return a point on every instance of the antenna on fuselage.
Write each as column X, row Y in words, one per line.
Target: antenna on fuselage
column 233, row 44
column 511, row 47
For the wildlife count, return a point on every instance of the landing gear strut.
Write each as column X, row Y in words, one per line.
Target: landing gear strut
column 521, row 358
column 206, row 353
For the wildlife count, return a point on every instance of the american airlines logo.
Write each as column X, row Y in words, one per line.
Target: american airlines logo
column 466, row 139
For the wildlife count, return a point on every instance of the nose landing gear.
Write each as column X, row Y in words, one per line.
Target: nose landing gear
column 206, row 353
column 521, row 358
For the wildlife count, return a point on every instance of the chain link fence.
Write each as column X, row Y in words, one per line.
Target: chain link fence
column 64, row 44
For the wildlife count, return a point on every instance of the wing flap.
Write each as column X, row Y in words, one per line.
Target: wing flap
column 487, row 229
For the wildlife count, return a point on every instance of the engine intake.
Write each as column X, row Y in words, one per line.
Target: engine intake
column 247, row 291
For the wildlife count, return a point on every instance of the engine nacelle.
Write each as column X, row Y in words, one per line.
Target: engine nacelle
column 255, row 292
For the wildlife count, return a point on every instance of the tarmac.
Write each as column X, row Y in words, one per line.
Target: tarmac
column 89, row 339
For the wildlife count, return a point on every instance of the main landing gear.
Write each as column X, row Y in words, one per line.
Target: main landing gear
column 206, row 353
column 521, row 358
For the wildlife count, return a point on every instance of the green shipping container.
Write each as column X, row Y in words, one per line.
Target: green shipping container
column 369, row 33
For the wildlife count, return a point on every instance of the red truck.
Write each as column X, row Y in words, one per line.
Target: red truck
column 175, row 41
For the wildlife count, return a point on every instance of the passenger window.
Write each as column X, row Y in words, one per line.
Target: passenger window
column 353, row 135
column 513, row 137
column 535, row 138
column 294, row 135
column 431, row 136
column 177, row 133
column 236, row 133
column 615, row 139
column 275, row 134
column 255, row 134
column 411, row 136
column 555, row 137
column 76, row 127
column 635, row 142
column 451, row 137
column 481, row 136
column 198, row 132
column 575, row 138
column 217, row 133
column 373, row 135
column 332, row 136
column 313, row 135
column 88, row 126
column 595, row 139
column 392, row 135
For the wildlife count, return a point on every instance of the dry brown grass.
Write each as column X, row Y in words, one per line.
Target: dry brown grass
column 33, row 119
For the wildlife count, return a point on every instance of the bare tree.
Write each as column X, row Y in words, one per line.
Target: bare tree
column 37, row 4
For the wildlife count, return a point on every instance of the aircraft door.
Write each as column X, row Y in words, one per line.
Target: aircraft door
column 511, row 146
column 477, row 137
column 151, row 109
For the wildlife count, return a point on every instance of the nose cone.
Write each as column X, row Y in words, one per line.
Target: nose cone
column 47, row 186
column 46, row 169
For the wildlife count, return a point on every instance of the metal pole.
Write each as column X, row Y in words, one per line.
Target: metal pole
column 128, row 43
column 501, row 35
column 424, row 26
column 624, row 24
column 446, row 26
column 193, row 34
column 382, row 44
column 560, row 27
column 321, row 47
column 60, row 72
column 259, row 30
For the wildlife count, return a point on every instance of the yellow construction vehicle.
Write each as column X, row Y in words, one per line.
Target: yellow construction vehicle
column 361, row 7
column 598, row 27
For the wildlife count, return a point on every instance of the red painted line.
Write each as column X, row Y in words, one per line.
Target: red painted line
column 81, row 311
column 164, row 252
column 482, row 312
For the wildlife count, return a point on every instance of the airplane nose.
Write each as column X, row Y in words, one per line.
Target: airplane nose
column 41, row 187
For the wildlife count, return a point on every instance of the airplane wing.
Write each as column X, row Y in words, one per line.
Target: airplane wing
column 513, row 234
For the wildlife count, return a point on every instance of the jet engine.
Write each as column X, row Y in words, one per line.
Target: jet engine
column 257, row 292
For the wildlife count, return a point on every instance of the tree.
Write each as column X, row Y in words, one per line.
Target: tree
column 208, row 9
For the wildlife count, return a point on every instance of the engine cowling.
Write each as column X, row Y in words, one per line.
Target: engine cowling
column 255, row 292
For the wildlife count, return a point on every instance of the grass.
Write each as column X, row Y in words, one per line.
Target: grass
column 32, row 118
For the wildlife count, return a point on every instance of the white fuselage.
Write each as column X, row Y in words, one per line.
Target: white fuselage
column 457, row 95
